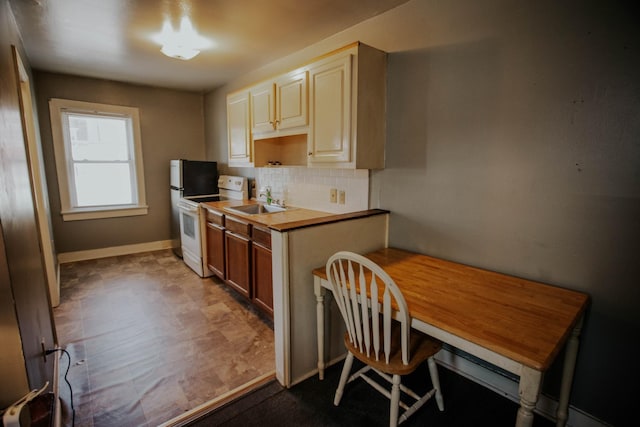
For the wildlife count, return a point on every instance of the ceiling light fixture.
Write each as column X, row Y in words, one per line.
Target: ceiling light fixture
column 183, row 44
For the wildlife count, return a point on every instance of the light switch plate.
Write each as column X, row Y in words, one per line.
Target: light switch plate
column 333, row 195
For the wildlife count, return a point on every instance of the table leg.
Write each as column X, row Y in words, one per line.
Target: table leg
column 529, row 390
column 571, row 353
column 320, row 292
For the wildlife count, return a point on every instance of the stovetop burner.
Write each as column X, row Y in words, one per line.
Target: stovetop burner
column 231, row 188
column 202, row 199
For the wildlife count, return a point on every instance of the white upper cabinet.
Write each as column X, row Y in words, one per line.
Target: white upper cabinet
column 330, row 131
column 347, row 99
column 291, row 100
column 263, row 108
column 280, row 107
column 328, row 113
column 238, row 130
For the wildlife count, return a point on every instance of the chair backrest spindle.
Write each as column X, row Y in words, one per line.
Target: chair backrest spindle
column 357, row 293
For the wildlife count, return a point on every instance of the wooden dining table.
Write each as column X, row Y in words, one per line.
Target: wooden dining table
column 516, row 324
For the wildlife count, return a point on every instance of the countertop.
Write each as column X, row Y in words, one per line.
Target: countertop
column 290, row 219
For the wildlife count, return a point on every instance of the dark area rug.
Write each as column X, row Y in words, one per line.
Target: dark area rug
column 310, row 403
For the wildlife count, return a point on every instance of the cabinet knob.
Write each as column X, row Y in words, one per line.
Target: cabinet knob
column 310, row 153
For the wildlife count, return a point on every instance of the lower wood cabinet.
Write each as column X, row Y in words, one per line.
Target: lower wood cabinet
column 238, row 255
column 261, row 270
column 215, row 244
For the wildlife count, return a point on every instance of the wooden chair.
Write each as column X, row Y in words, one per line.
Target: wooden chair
column 386, row 345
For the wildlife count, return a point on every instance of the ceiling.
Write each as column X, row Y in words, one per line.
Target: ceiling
column 113, row 39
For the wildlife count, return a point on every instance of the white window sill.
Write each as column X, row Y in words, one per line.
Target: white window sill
column 93, row 213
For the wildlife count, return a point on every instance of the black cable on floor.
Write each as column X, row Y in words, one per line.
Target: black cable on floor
column 73, row 410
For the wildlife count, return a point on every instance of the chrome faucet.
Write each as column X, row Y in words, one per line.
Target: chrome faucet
column 267, row 194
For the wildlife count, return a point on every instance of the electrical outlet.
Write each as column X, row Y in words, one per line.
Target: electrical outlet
column 333, row 195
column 341, row 197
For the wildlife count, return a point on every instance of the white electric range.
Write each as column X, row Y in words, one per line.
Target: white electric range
column 193, row 223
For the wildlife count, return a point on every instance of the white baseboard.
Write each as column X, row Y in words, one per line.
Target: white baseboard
column 67, row 257
column 508, row 388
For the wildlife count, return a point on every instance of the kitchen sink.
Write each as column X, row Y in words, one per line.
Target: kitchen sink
column 256, row 209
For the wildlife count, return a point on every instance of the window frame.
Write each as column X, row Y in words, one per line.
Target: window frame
column 69, row 212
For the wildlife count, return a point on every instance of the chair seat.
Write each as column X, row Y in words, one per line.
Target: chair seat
column 421, row 347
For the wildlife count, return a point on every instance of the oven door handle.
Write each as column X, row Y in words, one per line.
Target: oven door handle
column 187, row 207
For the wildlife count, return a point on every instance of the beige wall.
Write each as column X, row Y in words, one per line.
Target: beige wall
column 25, row 316
column 513, row 132
column 172, row 127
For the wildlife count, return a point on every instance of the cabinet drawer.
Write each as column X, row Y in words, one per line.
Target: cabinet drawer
column 261, row 236
column 238, row 226
column 215, row 218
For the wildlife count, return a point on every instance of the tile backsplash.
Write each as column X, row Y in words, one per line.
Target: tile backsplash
column 311, row 188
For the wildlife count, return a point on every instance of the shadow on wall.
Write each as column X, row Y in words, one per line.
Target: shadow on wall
column 443, row 139
column 434, row 93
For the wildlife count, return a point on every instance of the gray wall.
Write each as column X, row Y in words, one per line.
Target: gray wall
column 25, row 316
column 172, row 127
column 513, row 145
column 518, row 151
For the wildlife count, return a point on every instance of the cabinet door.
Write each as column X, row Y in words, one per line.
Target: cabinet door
column 263, row 115
column 238, row 252
column 215, row 249
column 238, row 132
column 330, row 101
column 262, row 281
column 291, row 100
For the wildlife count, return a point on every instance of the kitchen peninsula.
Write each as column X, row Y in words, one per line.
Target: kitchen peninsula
column 299, row 240
column 289, row 219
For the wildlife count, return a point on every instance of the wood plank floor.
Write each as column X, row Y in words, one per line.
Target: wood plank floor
column 149, row 339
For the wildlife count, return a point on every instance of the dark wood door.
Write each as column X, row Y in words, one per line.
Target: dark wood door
column 215, row 250
column 238, row 258
column 262, row 280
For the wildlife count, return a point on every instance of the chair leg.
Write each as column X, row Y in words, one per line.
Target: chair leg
column 435, row 380
column 395, row 401
column 346, row 369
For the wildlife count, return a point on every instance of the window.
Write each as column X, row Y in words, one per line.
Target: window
column 98, row 155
